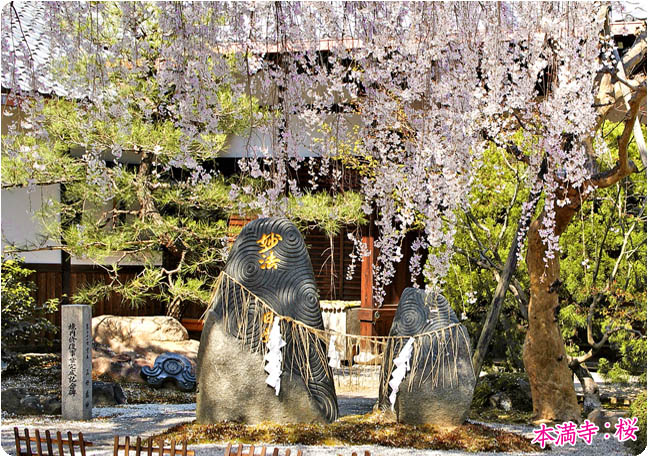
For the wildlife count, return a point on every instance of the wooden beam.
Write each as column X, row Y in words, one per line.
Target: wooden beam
column 340, row 269
column 366, row 288
column 192, row 325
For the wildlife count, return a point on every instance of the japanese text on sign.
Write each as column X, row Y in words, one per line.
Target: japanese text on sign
column 72, row 348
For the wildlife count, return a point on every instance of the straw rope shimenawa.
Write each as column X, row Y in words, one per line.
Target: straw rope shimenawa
column 247, row 317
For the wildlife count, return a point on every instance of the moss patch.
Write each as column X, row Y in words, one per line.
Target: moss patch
column 499, row 415
column 515, row 385
column 137, row 393
column 370, row 429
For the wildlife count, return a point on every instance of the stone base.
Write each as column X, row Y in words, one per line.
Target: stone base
column 439, row 406
column 231, row 385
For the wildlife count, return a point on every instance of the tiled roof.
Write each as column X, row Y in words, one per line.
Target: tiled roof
column 27, row 52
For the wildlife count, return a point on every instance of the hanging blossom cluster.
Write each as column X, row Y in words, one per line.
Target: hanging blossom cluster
column 407, row 93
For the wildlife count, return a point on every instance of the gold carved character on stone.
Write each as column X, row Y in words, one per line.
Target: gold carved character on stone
column 267, row 319
column 269, row 261
column 268, row 241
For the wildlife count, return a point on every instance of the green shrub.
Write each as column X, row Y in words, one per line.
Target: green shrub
column 24, row 324
column 515, row 385
column 638, row 410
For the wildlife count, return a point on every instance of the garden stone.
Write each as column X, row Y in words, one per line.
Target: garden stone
column 11, row 399
column 501, row 400
column 107, row 394
column 122, row 346
column 442, row 399
column 525, row 389
column 117, row 367
column 270, row 260
column 132, row 333
column 50, row 405
column 601, row 417
column 30, row 404
column 19, row 401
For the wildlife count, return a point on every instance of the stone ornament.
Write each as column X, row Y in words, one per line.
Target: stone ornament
column 268, row 261
column 170, row 366
column 438, row 389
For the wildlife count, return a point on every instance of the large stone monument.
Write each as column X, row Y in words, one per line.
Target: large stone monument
column 438, row 384
column 76, row 361
column 269, row 261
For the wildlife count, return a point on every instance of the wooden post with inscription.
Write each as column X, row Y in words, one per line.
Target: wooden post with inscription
column 76, row 359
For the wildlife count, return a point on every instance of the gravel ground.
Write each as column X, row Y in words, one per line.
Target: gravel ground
column 147, row 419
column 354, row 397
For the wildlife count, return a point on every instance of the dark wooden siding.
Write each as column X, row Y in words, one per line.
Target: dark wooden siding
column 47, row 279
column 330, row 265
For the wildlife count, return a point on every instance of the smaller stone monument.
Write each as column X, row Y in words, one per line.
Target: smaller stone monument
column 427, row 378
column 76, row 355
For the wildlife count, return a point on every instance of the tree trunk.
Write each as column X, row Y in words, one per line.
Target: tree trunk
column 170, row 262
column 492, row 317
column 591, row 398
column 545, row 359
column 175, row 309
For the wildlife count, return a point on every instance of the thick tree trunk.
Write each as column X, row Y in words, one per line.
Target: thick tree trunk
column 545, row 359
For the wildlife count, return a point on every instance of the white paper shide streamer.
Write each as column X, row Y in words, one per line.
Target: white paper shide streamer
column 402, row 364
column 333, row 355
column 273, row 357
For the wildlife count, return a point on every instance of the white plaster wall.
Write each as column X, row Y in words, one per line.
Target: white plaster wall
column 260, row 143
column 21, row 225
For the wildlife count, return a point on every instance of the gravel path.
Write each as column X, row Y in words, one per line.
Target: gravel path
column 147, row 419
